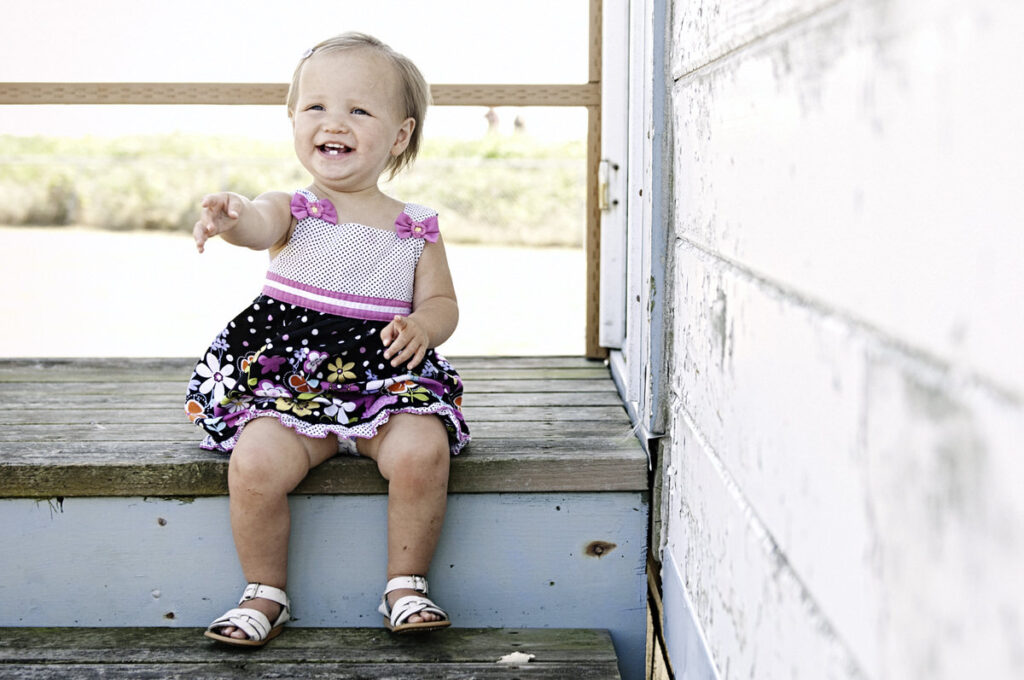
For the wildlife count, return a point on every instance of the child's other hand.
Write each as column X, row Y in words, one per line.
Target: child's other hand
column 405, row 341
column 220, row 213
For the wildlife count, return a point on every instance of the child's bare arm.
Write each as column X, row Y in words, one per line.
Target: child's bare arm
column 260, row 223
column 435, row 311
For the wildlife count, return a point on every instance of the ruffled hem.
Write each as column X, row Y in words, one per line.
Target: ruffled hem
column 345, row 433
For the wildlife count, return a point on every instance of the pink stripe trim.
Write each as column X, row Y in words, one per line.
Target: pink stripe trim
column 389, row 302
column 337, row 310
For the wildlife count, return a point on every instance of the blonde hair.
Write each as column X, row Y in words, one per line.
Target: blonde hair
column 413, row 89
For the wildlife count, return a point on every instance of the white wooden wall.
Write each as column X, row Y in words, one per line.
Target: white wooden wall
column 844, row 471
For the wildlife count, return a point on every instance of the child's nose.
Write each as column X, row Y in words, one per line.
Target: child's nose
column 336, row 124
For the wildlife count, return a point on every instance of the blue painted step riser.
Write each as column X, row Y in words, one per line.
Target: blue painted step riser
column 505, row 560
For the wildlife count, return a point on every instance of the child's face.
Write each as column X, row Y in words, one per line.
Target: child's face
column 348, row 121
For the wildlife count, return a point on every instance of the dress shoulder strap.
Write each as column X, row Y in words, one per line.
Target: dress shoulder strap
column 419, row 212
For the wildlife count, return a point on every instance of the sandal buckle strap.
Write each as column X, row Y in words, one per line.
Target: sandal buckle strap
column 417, row 583
column 254, row 590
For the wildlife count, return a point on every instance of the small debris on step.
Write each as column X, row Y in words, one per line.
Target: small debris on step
column 516, row 657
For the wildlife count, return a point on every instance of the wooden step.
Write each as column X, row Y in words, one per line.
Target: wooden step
column 337, row 653
column 116, row 427
column 111, row 514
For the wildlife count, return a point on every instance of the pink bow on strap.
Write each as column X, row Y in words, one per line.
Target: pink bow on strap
column 323, row 209
column 405, row 227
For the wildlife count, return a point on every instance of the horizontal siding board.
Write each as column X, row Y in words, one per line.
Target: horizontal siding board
column 701, row 35
column 758, row 619
column 777, row 392
column 944, row 466
column 834, row 158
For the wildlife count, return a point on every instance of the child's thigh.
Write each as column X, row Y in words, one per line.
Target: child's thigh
column 268, row 440
column 406, row 435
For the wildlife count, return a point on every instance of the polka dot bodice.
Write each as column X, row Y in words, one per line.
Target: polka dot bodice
column 347, row 269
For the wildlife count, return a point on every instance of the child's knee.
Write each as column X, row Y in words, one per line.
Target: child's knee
column 424, row 461
column 259, row 465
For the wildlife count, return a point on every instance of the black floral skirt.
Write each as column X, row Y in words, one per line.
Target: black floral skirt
column 318, row 374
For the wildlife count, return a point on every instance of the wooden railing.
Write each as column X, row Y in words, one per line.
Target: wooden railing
column 586, row 95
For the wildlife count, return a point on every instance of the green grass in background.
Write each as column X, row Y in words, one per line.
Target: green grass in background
column 498, row 190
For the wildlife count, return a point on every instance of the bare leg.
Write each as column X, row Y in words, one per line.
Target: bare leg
column 267, row 464
column 412, row 453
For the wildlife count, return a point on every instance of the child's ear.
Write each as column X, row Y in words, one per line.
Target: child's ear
column 404, row 136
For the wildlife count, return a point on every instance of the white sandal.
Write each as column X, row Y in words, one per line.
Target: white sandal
column 253, row 623
column 396, row 619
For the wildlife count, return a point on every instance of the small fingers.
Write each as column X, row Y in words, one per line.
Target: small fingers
column 404, row 342
column 219, row 213
column 389, row 333
column 418, row 357
column 200, row 235
column 404, row 355
column 225, row 204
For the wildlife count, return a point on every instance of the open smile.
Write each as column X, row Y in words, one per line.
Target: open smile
column 332, row 149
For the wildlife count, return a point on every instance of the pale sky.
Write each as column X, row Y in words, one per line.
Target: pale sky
column 452, row 41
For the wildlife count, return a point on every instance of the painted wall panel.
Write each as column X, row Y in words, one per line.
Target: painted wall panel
column 759, row 620
column 946, row 476
column 777, row 392
column 705, row 31
column 858, row 160
column 842, row 473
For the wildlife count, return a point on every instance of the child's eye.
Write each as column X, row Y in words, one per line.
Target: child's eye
column 360, row 112
column 315, row 107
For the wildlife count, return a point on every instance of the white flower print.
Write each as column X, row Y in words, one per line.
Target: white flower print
column 313, row 361
column 217, row 377
column 337, row 406
column 268, row 389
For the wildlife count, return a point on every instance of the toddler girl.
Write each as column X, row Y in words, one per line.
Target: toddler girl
column 338, row 347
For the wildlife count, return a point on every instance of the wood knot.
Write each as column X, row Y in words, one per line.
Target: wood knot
column 599, row 548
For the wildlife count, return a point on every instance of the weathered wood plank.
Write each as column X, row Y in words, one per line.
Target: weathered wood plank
column 35, row 470
column 313, row 645
column 246, row 670
column 60, row 373
column 184, row 430
column 127, row 437
column 188, row 451
column 249, row 670
column 141, row 368
column 101, row 403
column 130, row 389
column 363, row 653
column 173, row 416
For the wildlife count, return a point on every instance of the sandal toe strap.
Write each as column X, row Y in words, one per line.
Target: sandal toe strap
column 253, row 623
column 411, row 605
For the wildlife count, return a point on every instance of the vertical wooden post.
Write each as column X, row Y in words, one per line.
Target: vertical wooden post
column 592, row 236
